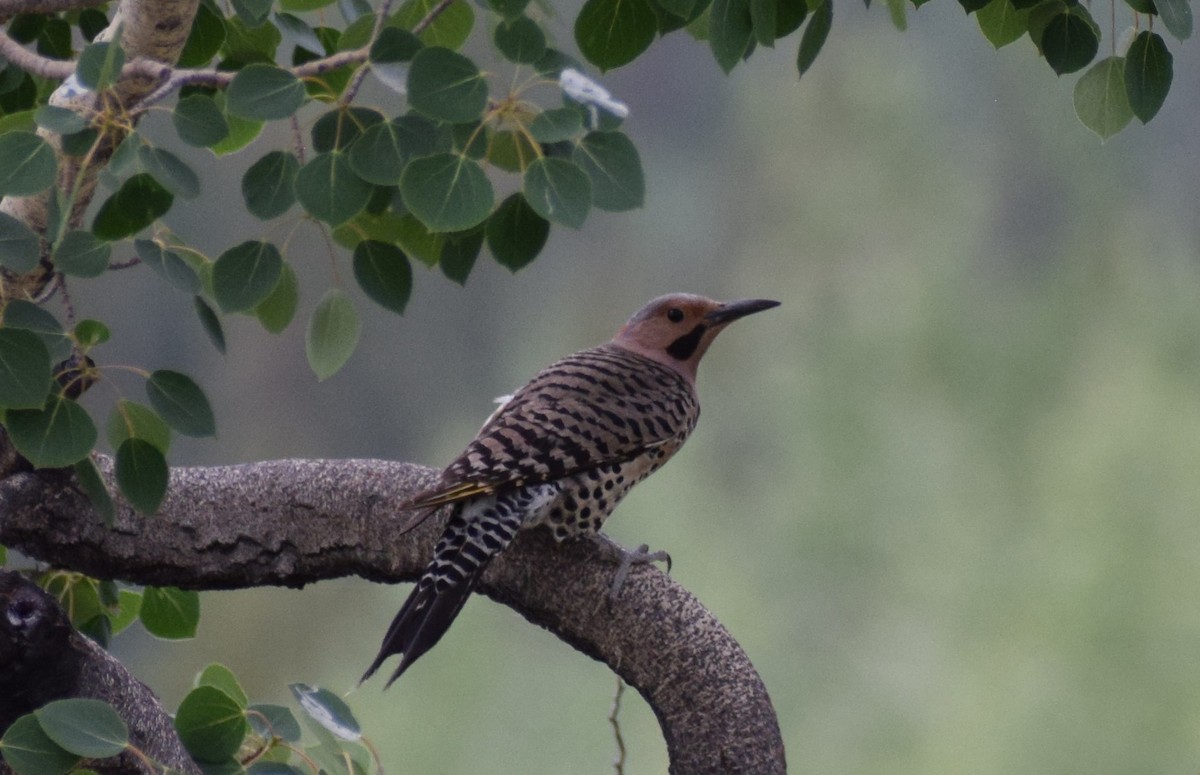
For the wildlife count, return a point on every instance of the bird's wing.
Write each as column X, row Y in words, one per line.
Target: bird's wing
column 566, row 420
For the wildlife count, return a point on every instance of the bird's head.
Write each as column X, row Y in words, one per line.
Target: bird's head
column 677, row 329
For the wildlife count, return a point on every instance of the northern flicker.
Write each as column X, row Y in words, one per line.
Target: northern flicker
column 561, row 452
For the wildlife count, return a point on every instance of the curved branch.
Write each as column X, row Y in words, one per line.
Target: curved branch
column 45, row 659
column 290, row 522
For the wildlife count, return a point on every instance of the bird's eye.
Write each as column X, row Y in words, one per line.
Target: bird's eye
column 675, row 314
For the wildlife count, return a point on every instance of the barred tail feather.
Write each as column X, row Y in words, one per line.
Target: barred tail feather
column 463, row 552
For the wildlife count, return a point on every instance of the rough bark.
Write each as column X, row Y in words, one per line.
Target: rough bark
column 291, row 522
column 45, row 659
column 151, row 30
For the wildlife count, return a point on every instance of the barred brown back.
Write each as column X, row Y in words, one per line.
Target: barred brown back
column 595, row 408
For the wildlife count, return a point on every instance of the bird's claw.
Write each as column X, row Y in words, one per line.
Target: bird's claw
column 626, row 559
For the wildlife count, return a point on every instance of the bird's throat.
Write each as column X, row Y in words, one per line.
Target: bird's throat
column 685, row 346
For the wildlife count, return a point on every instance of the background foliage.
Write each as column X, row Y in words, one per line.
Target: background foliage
column 945, row 498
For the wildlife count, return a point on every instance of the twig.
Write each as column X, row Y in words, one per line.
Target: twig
column 60, row 282
column 176, row 79
column 54, row 69
column 431, row 17
column 380, row 19
column 619, row 762
column 298, row 139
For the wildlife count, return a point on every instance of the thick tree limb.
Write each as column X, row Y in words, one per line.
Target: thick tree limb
column 45, row 659
column 291, row 522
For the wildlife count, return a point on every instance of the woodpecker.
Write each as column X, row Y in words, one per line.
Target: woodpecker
column 561, row 453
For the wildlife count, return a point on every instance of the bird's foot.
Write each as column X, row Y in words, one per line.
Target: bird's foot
column 626, row 559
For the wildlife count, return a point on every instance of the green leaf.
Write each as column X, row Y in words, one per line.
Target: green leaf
column 394, row 45
column 128, row 607
column 90, row 333
column 416, row 240
column 446, row 86
column 611, row 33
column 520, row 40
column 29, row 751
column 80, row 254
column 459, row 253
column 97, row 492
column 556, row 125
column 139, row 202
column 99, row 65
column 730, row 30
column 511, row 150
column 450, row 28
column 168, row 265
column 29, row 316
column 559, row 191
column 55, row 436
column 339, row 128
column 80, row 143
column 64, row 121
column 210, row 723
column 328, row 710
column 1001, row 22
column 421, row 137
column 29, row 164
column 125, row 156
column 329, row 190
column 210, row 323
column 813, row 39
column 1149, row 68
column 509, row 9
column 91, row 22
column 378, row 156
column 131, row 420
column 19, row 247
column 1069, row 43
column 765, row 16
column 253, row 12
column 470, row 139
column 244, row 44
column 274, row 721
column 515, row 233
column 181, row 403
column 263, row 92
column 205, row 38
column 1100, row 99
column 277, row 310
column 268, row 186
column 89, row 728
column 24, row 369
column 615, row 169
column 170, row 170
column 171, row 613
column 54, row 41
column 77, row 594
column 1176, row 16
column 246, row 274
column 199, row 121
column 446, row 192
column 383, row 272
column 304, row 36
column 332, row 333
column 221, row 677
column 242, row 132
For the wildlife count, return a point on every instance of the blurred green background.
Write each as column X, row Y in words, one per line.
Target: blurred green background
column 947, row 496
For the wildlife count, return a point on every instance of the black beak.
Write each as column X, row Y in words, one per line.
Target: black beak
column 732, row 310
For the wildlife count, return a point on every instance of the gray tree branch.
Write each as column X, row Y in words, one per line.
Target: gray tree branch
column 45, row 659
column 291, row 522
